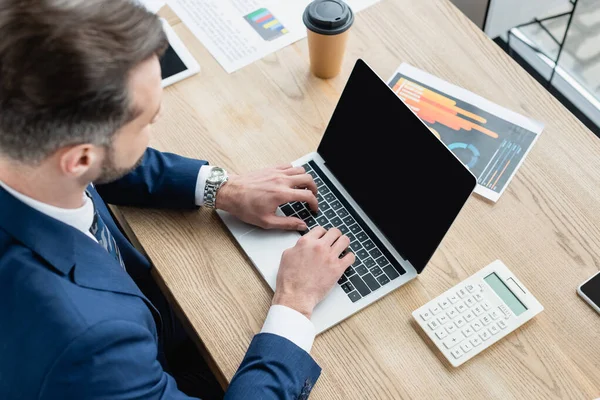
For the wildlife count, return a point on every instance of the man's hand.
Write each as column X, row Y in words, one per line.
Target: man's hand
column 254, row 197
column 310, row 269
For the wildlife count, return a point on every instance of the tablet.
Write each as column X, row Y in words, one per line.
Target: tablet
column 177, row 63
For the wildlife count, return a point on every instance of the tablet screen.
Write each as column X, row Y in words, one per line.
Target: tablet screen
column 171, row 64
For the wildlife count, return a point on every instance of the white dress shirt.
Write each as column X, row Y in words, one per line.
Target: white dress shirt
column 282, row 321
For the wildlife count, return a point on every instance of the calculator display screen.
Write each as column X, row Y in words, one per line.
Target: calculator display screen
column 505, row 294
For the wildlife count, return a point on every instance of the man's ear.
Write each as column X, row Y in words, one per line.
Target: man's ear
column 77, row 161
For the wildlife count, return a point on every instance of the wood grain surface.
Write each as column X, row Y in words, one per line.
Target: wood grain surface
column 545, row 227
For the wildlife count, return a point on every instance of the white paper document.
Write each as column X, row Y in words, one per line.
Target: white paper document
column 239, row 32
column 490, row 140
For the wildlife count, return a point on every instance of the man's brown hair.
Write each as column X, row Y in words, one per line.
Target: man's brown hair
column 64, row 68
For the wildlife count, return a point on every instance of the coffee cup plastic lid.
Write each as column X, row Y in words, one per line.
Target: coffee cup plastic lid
column 328, row 17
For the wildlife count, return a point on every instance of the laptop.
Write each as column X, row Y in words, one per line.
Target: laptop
column 385, row 181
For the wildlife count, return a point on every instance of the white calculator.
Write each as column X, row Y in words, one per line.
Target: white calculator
column 477, row 312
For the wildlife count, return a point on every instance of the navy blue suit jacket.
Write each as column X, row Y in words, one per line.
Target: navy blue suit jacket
column 74, row 325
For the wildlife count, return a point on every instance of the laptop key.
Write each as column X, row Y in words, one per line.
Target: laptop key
column 329, row 197
column 349, row 272
column 310, row 222
column 358, row 283
column 328, row 226
column 382, row 261
column 287, row 210
column 304, row 214
column 362, row 236
column 347, row 287
column 369, row 245
column 344, row 229
column 355, row 229
column 350, row 236
column 348, row 220
column 355, row 246
column 324, row 190
column 313, row 174
column 336, row 204
column 390, row 272
column 322, row 220
column 375, row 253
column 318, row 182
column 354, row 296
column 330, row 214
column 383, row 280
column 336, row 221
column 342, row 280
column 376, row 271
column 371, row 282
column 362, row 254
column 307, row 167
column 342, row 212
column 298, row 206
column 361, row 270
column 369, row 262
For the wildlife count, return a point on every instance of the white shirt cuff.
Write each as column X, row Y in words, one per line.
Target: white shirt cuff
column 290, row 324
column 201, row 183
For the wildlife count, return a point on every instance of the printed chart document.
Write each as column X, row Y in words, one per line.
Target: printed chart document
column 490, row 140
column 239, row 32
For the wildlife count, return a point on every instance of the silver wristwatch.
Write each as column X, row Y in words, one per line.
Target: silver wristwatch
column 216, row 179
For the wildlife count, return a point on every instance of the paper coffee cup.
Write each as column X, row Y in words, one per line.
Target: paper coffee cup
column 327, row 24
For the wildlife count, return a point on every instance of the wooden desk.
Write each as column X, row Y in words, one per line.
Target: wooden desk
column 546, row 227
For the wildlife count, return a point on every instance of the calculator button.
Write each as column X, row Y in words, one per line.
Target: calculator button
column 457, row 353
column 425, row 315
column 460, row 322
column 462, row 293
column 466, row 347
column 477, row 311
column 441, row 333
column 494, row 329
column 470, row 288
column 468, row 331
column 452, row 313
column 453, row 340
column 494, row 314
column 469, row 316
column 502, row 324
column 453, row 299
column 433, row 324
column 444, row 304
column 470, row 302
column 485, row 305
column 505, row 311
column 486, row 320
column 485, row 335
column 442, row 319
column 461, row 308
column 476, row 326
column 435, row 310
column 478, row 297
column 475, row 341
column 451, row 328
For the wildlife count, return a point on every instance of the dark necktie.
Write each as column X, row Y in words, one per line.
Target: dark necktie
column 103, row 235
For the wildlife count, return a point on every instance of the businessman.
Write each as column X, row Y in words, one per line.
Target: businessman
column 80, row 318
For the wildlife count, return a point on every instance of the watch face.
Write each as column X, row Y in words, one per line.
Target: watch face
column 217, row 175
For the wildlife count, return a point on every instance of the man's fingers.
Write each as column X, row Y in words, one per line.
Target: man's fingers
column 347, row 261
column 302, row 195
column 294, row 171
column 332, row 235
column 304, row 181
column 284, row 166
column 341, row 244
column 316, row 233
column 287, row 223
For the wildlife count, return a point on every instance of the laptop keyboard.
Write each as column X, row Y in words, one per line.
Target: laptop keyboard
column 374, row 266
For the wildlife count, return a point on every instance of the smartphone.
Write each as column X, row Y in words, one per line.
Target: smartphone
column 590, row 291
